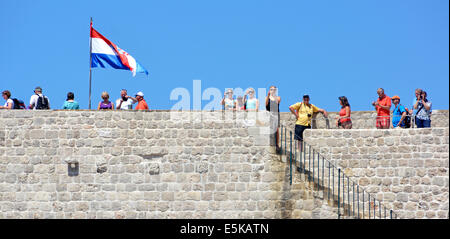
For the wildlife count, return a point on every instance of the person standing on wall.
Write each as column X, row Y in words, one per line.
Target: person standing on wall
column 70, row 103
column 105, row 104
column 423, row 113
column 251, row 103
column 344, row 119
column 273, row 106
column 125, row 102
column 383, row 108
column 142, row 104
column 303, row 112
column 9, row 102
column 399, row 113
column 38, row 101
column 228, row 102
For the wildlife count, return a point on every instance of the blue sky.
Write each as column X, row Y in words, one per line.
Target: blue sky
column 323, row 48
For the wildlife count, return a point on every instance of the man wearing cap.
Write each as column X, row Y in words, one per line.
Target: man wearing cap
column 399, row 113
column 125, row 102
column 142, row 105
column 303, row 112
column 38, row 100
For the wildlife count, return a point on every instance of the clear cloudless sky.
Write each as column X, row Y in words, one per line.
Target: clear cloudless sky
column 326, row 48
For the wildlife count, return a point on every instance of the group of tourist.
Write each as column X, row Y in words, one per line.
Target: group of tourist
column 303, row 111
column 38, row 101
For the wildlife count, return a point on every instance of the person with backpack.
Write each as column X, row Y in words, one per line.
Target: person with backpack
column 38, row 101
column 9, row 102
column 399, row 114
column 303, row 112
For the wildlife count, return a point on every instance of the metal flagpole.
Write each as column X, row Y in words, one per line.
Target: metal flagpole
column 90, row 63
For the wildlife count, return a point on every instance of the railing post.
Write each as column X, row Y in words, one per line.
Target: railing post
column 343, row 193
column 348, row 194
column 391, row 213
column 318, row 170
column 309, row 164
column 323, row 171
column 374, row 209
column 304, row 156
column 363, row 206
column 329, row 180
column 369, row 206
column 353, row 199
column 379, row 209
column 358, row 200
column 339, row 189
column 313, row 167
column 290, row 158
column 333, row 182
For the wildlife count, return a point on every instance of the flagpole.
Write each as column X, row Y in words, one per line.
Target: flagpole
column 90, row 63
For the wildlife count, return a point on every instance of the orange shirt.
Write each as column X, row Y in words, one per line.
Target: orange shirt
column 385, row 101
column 142, row 105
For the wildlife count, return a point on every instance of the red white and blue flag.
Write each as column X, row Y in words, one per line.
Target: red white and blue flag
column 105, row 54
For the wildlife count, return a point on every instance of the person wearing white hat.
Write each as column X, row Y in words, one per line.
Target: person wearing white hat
column 142, row 105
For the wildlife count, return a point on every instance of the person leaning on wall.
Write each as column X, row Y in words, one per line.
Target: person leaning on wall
column 303, row 112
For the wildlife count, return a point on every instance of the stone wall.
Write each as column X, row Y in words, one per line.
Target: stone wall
column 91, row 164
column 407, row 169
column 116, row 164
column 360, row 119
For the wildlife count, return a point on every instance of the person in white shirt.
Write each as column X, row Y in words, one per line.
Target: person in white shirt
column 45, row 103
column 9, row 102
column 125, row 102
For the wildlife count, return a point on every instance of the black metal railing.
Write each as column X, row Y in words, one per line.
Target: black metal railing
column 350, row 199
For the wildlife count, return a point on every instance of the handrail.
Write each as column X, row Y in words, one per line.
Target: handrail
column 316, row 174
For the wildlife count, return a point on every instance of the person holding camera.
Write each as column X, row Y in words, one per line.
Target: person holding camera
column 251, row 102
column 125, row 102
column 422, row 109
column 228, row 102
column 344, row 119
column 303, row 112
column 383, row 108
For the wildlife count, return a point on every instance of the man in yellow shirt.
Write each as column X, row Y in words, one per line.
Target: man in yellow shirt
column 303, row 112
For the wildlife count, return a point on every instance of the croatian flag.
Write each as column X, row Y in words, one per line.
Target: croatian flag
column 104, row 54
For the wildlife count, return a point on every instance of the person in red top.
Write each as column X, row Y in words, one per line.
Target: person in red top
column 142, row 105
column 383, row 108
column 344, row 119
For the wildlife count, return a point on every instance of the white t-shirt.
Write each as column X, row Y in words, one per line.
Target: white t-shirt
column 34, row 99
column 126, row 105
column 9, row 101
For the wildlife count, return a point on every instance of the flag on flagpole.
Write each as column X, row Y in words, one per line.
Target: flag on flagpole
column 105, row 54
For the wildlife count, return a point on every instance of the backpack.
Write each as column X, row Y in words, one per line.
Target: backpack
column 407, row 119
column 18, row 104
column 42, row 103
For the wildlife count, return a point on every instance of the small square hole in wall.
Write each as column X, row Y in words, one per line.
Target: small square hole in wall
column 73, row 169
